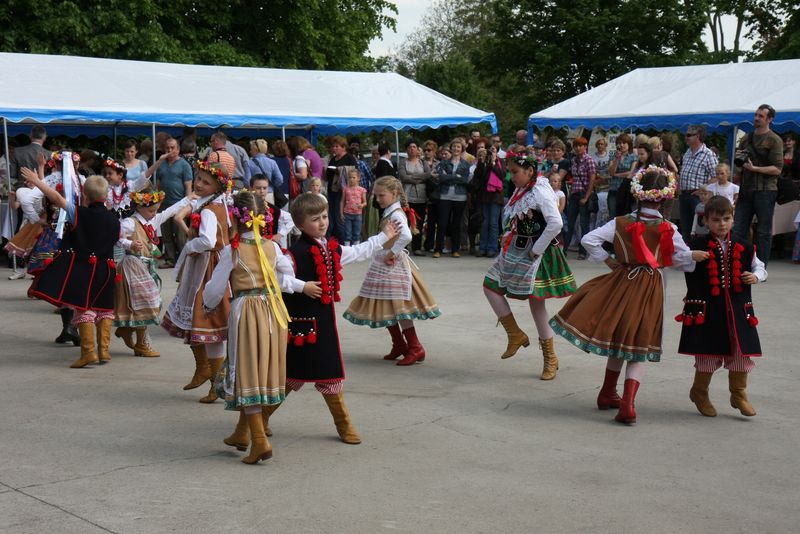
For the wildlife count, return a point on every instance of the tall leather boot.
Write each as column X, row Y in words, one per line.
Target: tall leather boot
column 627, row 409
column 267, row 411
column 202, row 371
column 125, row 333
column 142, row 347
column 399, row 345
column 737, row 383
column 699, row 394
column 608, row 396
column 68, row 332
column 88, row 355
column 260, row 447
column 516, row 337
column 103, row 340
column 341, row 418
column 415, row 352
column 241, row 435
column 550, row 359
column 215, row 364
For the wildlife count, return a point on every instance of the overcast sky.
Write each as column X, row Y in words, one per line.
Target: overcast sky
column 411, row 12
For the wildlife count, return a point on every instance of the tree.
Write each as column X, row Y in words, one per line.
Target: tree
column 309, row 34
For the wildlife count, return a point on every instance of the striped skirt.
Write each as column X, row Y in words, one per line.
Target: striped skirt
column 516, row 276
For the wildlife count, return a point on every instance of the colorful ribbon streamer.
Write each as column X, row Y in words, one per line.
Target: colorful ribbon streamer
column 257, row 222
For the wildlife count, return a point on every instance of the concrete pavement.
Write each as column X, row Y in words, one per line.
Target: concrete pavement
column 464, row 442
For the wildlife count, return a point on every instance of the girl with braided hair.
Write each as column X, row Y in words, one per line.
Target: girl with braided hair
column 393, row 293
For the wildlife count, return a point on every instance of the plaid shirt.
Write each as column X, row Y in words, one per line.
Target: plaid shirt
column 366, row 175
column 697, row 168
column 582, row 169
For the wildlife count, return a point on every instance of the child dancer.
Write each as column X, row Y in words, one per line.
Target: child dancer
column 137, row 298
column 719, row 322
column 118, row 201
column 393, row 293
column 185, row 318
column 314, row 354
column 81, row 276
column 254, row 374
column 281, row 223
column 620, row 314
column 531, row 265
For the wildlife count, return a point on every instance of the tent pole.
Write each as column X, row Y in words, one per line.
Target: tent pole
column 114, row 151
column 283, row 133
column 155, row 184
column 10, row 217
column 732, row 148
column 397, row 146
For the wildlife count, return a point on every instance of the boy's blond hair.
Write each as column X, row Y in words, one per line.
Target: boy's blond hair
column 96, row 189
column 307, row 205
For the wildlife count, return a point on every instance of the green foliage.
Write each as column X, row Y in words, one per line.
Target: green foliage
column 307, row 34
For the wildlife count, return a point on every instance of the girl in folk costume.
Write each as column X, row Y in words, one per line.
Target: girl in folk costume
column 118, row 201
column 313, row 354
column 393, row 293
column 137, row 298
column 620, row 314
column 185, row 318
column 254, row 374
column 82, row 274
column 531, row 265
column 719, row 322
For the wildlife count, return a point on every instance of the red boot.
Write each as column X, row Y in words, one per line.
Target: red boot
column 608, row 397
column 399, row 345
column 627, row 411
column 415, row 352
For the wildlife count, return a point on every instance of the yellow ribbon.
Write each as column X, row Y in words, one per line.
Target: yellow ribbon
column 257, row 222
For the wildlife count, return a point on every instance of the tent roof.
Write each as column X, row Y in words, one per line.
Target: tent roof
column 673, row 97
column 90, row 90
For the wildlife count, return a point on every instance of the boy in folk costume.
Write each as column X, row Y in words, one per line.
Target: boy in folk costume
column 137, row 302
column 719, row 322
column 82, row 274
column 314, row 354
column 620, row 314
column 204, row 332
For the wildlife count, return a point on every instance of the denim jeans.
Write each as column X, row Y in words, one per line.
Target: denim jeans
column 490, row 228
column 762, row 205
column 574, row 208
column 687, row 203
column 352, row 228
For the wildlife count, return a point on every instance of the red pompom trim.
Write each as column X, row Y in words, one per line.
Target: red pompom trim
column 715, row 291
column 679, row 318
column 47, row 262
column 196, row 218
column 235, row 242
column 312, row 338
column 688, row 320
column 299, row 341
column 700, row 319
column 118, row 278
column 92, row 259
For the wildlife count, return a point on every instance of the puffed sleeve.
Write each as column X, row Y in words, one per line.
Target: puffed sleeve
column 216, row 287
column 126, row 228
column 363, row 251
column 548, row 205
column 759, row 269
column 284, row 270
column 405, row 233
column 682, row 255
column 593, row 241
column 206, row 236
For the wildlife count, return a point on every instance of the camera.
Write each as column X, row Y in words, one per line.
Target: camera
column 742, row 155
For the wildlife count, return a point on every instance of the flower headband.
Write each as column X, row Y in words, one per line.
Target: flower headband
column 59, row 156
column 653, row 195
column 117, row 166
column 147, row 199
column 522, row 159
column 217, row 173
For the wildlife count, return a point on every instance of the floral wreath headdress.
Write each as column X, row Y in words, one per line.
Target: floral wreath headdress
column 147, row 199
column 654, row 195
column 217, row 173
column 59, row 156
column 114, row 164
column 522, row 159
column 246, row 217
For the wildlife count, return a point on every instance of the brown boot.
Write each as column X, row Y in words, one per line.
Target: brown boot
column 241, row 435
column 88, row 355
column 215, row 364
column 260, row 448
column 737, row 383
column 347, row 433
column 126, row 335
column 550, row 359
column 516, row 337
column 143, row 347
column 699, row 394
column 267, row 411
column 202, row 371
column 103, row 339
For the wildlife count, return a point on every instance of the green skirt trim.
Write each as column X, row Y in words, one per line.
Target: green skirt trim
column 136, row 324
column 652, row 356
column 416, row 316
column 237, row 403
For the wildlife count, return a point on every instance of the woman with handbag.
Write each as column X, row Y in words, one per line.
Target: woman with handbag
column 414, row 174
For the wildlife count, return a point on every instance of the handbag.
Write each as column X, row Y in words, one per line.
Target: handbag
column 294, row 185
column 787, row 190
column 593, row 204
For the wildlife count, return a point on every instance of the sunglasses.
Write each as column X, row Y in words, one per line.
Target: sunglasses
column 690, row 135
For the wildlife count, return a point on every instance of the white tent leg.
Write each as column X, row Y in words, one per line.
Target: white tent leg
column 16, row 275
column 397, row 152
column 283, row 133
column 155, row 184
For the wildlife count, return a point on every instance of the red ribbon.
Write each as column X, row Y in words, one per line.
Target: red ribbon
column 667, row 246
column 643, row 254
column 151, row 234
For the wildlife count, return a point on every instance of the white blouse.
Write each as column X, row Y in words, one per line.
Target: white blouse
column 128, row 225
column 405, row 232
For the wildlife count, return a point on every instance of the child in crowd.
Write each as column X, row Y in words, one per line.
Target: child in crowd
column 719, row 321
column 254, row 374
column 281, row 223
column 354, row 200
column 555, row 183
column 314, row 354
column 620, row 314
column 185, row 317
column 118, row 200
column 699, row 227
column 393, row 293
column 137, row 296
column 315, row 186
column 723, row 186
column 82, row 275
column 531, row 266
